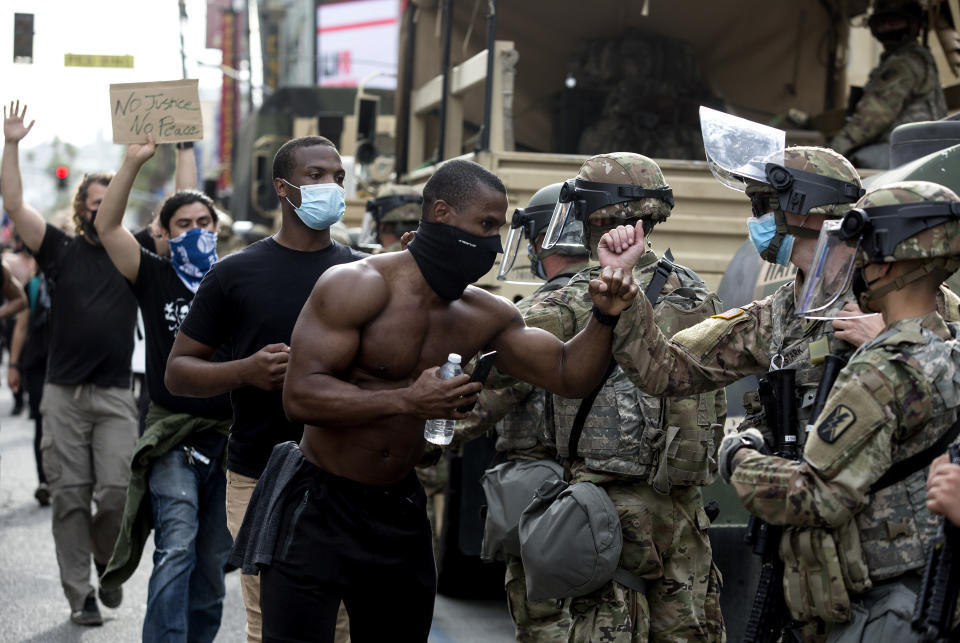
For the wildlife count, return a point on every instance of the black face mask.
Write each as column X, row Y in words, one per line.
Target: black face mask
column 451, row 259
column 89, row 231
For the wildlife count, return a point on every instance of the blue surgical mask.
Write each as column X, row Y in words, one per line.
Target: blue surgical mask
column 321, row 204
column 762, row 231
column 192, row 254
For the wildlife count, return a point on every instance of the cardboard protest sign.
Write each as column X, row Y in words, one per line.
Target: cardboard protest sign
column 169, row 110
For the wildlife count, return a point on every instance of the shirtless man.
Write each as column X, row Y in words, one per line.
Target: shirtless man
column 362, row 379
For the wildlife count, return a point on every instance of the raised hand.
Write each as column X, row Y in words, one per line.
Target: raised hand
column 852, row 327
column 140, row 153
column 614, row 290
column 622, row 247
column 13, row 128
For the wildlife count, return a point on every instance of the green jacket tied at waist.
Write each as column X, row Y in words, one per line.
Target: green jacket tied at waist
column 165, row 430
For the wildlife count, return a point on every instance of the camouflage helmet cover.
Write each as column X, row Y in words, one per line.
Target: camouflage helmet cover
column 627, row 168
column 405, row 212
column 941, row 240
column 816, row 160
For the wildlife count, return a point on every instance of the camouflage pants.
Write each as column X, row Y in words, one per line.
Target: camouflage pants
column 535, row 621
column 664, row 541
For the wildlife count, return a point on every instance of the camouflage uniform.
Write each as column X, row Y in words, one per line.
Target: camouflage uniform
column 903, row 88
column 897, row 396
column 405, row 213
column 524, row 426
column 626, row 446
column 649, row 455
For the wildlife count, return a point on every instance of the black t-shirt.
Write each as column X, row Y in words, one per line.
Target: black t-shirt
column 92, row 313
column 164, row 301
column 253, row 297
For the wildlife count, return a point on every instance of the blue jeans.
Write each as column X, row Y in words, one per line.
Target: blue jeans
column 186, row 589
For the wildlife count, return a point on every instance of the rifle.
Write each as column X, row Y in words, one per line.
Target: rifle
column 770, row 615
column 937, row 598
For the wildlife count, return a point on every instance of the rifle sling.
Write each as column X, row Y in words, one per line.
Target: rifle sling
column 664, row 268
column 918, row 461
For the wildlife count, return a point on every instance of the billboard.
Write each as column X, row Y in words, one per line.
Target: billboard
column 355, row 39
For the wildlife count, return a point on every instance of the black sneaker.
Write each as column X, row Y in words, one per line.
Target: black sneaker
column 42, row 494
column 89, row 615
column 111, row 597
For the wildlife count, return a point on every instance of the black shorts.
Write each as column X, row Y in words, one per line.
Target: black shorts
column 340, row 540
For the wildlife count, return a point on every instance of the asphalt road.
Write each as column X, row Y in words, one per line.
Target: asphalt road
column 34, row 610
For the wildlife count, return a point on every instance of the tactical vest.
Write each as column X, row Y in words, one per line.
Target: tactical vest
column 896, row 530
column 892, row 534
column 800, row 345
column 628, row 432
column 926, row 101
column 531, row 423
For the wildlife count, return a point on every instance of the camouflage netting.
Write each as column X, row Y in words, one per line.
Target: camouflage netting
column 641, row 93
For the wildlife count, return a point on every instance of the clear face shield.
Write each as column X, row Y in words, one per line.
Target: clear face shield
column 829, row 275
column 524, row 228
column 564, row 217
column 739, row 150
column 368, row 232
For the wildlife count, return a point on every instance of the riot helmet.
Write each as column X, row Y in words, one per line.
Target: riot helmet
column 752, row 158
column 614, row 189
column 399, row 205
column 895, row 22
column 898, row 222
column 530, row 223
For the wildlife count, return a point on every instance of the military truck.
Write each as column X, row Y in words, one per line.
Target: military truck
column 530, row 89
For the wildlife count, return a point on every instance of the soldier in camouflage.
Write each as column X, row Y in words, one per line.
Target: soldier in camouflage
column 903, row 88
column 521, row 413
column 650, row 455
column 394, row 211
column 858, row 528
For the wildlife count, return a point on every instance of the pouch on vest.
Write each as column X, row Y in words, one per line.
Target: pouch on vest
column 570, row 540
column 813, row 582
column 509, row 487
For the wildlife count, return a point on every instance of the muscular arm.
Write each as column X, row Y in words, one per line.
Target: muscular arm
column 16, row 300
column 847, row 451
column 121, row 246
column 29, row 223
column 324, row 345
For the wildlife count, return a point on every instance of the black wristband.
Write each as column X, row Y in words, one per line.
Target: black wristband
column 184, row 145
column 14, row 365
column 606, row 320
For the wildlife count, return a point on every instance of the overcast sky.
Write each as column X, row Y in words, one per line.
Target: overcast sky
column 73, row 102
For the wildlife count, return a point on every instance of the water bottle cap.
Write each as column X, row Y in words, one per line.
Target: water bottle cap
column 454, row 358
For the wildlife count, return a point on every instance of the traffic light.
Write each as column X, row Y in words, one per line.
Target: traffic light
column 23, row 37
column 62, row 172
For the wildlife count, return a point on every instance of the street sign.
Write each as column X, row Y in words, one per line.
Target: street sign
column 96, row 60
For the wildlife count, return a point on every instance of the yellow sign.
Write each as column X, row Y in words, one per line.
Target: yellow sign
column 95, row 60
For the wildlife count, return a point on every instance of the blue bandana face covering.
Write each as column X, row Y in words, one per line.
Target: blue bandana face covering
column 321, row 204
column 762, row 230
column 192, row 253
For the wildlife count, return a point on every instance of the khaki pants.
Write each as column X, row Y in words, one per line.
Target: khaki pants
column 88, row 439
column 239, row 490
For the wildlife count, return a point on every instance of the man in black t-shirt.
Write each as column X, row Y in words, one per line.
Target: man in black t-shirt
column 89, row 414
column 180, row 454
column 251, row 299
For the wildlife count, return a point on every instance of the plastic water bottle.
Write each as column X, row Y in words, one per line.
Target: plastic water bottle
column 441, row 431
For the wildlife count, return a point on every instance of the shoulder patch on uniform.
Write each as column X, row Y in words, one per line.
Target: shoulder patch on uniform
column 729, row 314
column 832, row 427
